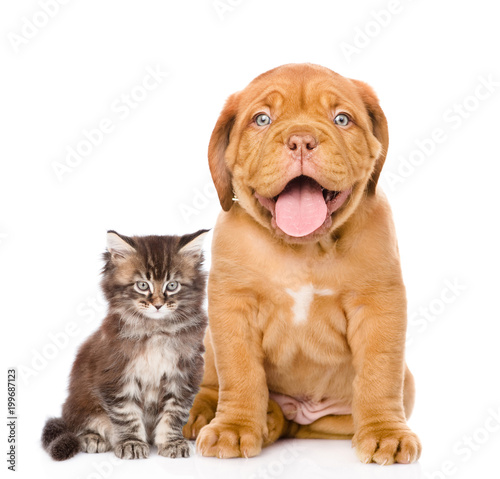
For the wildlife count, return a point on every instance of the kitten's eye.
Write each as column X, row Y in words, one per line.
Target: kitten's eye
column 342, row 119
column 262, row 119
column 142, row 285
column 173, row 286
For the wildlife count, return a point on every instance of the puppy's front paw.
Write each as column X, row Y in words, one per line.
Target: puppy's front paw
column 175, row 448
column 224, row 440
column 132, row 450
column 387, row 445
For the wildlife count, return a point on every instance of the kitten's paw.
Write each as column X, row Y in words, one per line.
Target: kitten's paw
column 175, row 448
column 132, row 450
column 387, row 445
column 224, row 440
column 93, row 443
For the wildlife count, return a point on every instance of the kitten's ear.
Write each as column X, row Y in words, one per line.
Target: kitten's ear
column 119, row 246
column 193, row 244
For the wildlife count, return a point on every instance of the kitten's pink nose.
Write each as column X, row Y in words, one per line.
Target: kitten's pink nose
column 157, row 306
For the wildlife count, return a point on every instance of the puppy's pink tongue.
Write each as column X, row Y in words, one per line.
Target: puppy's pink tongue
column 300, row 208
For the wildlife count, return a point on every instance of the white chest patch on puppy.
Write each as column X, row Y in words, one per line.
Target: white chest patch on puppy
column 303, row 299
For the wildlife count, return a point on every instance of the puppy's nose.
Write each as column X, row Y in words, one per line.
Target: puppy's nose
column 301, row 141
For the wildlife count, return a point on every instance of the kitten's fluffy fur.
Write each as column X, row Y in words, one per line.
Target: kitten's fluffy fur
column 134, row 380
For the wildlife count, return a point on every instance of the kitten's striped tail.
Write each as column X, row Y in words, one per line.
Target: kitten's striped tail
column 58, row 440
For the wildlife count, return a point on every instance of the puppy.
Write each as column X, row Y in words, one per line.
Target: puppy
column 307, row 304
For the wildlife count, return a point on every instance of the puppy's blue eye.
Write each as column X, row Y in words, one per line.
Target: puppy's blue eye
column 341, row 119
column 262, row 119
column 142, row 285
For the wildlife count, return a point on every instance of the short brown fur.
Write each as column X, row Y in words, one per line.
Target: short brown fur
column 352, row 345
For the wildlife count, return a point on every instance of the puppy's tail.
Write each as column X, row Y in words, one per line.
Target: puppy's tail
column 58, row 440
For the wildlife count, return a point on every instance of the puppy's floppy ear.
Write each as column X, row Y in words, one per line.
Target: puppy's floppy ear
column 379, row 129
column 219, row 142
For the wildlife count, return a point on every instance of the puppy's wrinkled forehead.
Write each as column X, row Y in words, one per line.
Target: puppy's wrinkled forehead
column 295, row 89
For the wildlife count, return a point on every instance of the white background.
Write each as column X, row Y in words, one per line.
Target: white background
column 150, row 176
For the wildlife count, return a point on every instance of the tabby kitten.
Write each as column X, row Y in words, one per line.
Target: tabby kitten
column 134, row 380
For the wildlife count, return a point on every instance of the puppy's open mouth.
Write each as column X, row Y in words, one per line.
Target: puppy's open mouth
column 304, row 206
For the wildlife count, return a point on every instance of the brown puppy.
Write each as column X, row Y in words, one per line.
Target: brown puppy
column 307, row 305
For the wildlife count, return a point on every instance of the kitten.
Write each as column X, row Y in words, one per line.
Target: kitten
column 134, row 380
